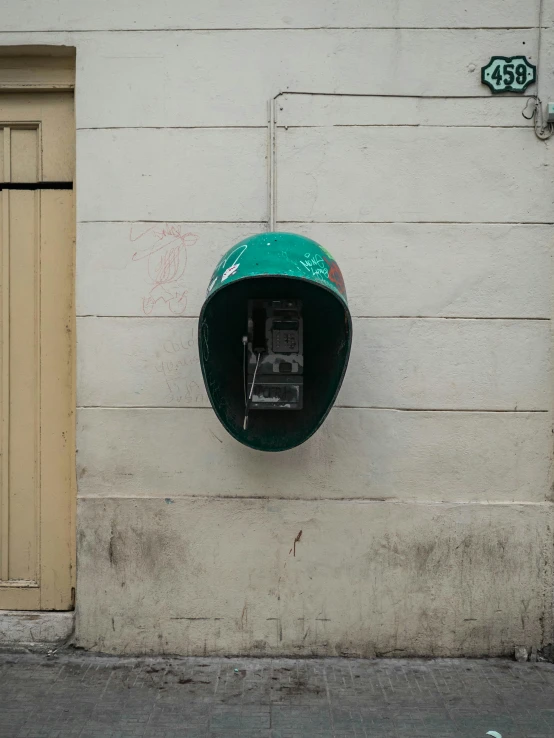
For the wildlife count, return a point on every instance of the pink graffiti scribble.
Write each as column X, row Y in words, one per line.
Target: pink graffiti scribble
column 165, row 252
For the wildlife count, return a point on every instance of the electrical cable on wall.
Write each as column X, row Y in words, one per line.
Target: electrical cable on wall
column 543, row 131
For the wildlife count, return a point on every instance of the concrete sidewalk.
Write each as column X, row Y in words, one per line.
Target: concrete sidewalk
column 69, row 694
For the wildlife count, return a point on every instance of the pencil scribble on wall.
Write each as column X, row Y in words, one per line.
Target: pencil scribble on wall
column 163, row 247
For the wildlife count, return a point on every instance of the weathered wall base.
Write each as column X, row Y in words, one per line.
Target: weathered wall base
column 225, row 576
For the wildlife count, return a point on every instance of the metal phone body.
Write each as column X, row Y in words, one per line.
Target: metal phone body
column 275, row 344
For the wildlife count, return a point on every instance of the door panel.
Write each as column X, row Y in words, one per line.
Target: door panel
column 24, row 154
column 57, row 451
column 36, row 352
column 53, row 113
column 24, row 343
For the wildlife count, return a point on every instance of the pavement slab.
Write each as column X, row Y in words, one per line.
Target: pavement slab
column 68, row 694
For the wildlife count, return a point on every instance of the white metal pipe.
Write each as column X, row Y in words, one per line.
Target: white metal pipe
column 272, row 159
column 271, row 164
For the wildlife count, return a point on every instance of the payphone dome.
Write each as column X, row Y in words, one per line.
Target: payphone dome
column 279, row 255
column 274, row 266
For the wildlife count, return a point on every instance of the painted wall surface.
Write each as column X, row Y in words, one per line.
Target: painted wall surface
column 419, row 519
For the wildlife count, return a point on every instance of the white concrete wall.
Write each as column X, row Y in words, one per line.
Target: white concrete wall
column 425, row 500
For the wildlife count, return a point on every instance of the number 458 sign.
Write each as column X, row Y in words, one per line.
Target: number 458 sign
column 508, row 74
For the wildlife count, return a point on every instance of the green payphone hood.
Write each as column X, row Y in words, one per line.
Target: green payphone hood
column 276, row 266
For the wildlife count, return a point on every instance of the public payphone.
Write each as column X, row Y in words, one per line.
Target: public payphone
column 274, row 339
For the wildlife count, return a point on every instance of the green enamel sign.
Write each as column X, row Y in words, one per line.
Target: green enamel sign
column 508, row 74
column 274, row 339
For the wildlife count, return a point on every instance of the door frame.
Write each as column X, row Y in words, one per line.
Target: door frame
column 43, row 69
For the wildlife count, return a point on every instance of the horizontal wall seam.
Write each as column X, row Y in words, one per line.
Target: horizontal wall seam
column 287, row 127
column 343, row 407
column 225, row 29
column 442, row 317
column 417, row 222
column 358, row 317
column 271, row 498
column 481, row 96
column 285, row 221
column 401, row 125
column 192, row 222
column 186, row 128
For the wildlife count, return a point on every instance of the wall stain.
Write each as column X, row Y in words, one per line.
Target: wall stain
column 244, row 616
column 296, row 540
column 111, row 555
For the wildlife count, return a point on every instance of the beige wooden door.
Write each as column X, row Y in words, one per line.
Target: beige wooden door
column 37, row 143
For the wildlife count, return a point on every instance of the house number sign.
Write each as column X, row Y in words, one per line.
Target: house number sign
column 508, row 74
